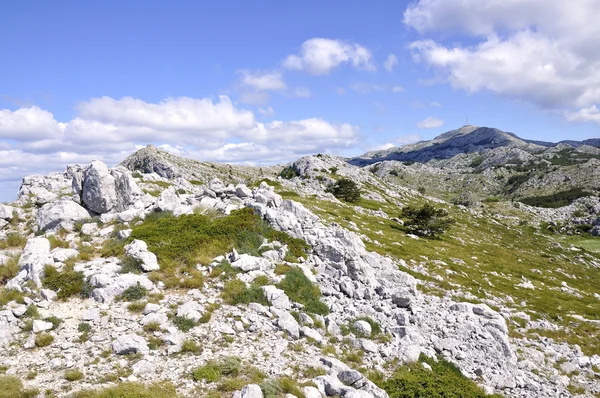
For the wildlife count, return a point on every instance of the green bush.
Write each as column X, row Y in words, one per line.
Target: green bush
column 10, row 269
column 444, row 381
column 11, row 387
column 190, row 346
column 426, row 220
column 346, row 190
column 132, row 390
column 134, row 293
column 476, row 162
column 213, row 371
column 55, row 321
column 236, row 292
column 279, row 387
column 73, row 375
column 288, row 173
column 183, row 323
column 43, row 340
column 66, row 283
column 301, row 290
column 13, row 239
column 559, row 199
column 131, row 265
column 182, row 242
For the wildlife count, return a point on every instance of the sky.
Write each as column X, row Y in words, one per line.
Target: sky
column 267, row 82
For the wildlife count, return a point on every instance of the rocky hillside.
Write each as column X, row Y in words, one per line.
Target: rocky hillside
column 473, row 164
column 167, row 277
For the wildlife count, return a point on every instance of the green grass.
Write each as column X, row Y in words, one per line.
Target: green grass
column 182, row 242
column 13, row 240
column 236, row 292
column 183, row 323
column 493, row 249
column 10, row 268
column 301, row 290
column 43, row 340
column 11, row 387
column 73, row 375
column 132, row 390
column 443, row 381
column 134, row 293
column 213, row 371
column 65, row 283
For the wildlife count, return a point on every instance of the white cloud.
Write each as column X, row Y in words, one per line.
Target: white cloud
column 409, row 139
column 543, row 52
column 256, row 98
column 589, row 114
column 319, row 56
column 383, row 147
column 390, row 63
column 109, row 130
column 397, row 89
column 435, row 104
column 365, row 88
column 268, row 111
column 263, row 81
column 300, row 92
column 28, row 124
column 430, row 123
column 173, row 114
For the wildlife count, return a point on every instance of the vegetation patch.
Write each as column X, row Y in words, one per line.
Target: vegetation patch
column 301, row 290
column 13, row 240
column 10, row 268
column 443, row 380
column 236, row 292
column 559, row 199
column 182, row 242
column 426, row 220
column 133, row 293
column 132, row 390
column 43, row 340
column 11, row 387
column 66, row 283
column 345, row 189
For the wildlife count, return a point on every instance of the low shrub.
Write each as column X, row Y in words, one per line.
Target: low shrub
column 183, row 323
column 426, row 221
column 444, row 380
column 10, row 269
column 133, row 293
column 301, row 290
column 43, row 340
column 55, row 321
column 131, row 265
column 213, row 371
column 132, row 390
column 11, row 387
column 236, row 292
column 66, row 283
column 73, row 375
column 346, row 190
column 190, row 346
column 13, row 240
column 555, row 200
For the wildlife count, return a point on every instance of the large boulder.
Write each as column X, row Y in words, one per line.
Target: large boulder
column 138, row 249
column 61, row 214
column 130, row 344
column 35, row 256
column 104, row 190
column 7, row 212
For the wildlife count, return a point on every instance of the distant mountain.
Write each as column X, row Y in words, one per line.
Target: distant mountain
column 467, row 139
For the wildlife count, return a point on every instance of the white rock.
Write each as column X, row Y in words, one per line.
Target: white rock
column 89, row 228
column 61, row 214
column 130, row 343
column 287, row 323
column 362, row 327
column 41, row 326
column 150, row 308
column 276, row 297
column 36, row 255
column 251, row 391
column 63, row 254
column 138, row 249
column 248, row 263
column 191, row 310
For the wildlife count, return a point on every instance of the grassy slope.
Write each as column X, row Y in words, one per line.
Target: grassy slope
column 488, row 256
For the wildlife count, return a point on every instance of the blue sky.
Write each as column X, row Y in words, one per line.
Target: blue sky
column 266, row 82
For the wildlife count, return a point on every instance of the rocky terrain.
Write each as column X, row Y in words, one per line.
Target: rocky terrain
column 489, row 164
column 170, row 277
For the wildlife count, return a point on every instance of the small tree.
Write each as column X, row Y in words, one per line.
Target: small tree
column 345, row 189
column 426, row 221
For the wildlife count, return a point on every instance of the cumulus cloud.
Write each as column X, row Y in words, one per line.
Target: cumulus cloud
column 543, row 52
column 206, row 129
column 589, row 114
column 365, row 88
column 28, row 124
column 390, row 63
column 430, row 123
column 300, row 92
column 318, row 56
column 263, row 81
column 409, row 139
